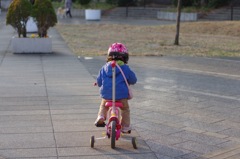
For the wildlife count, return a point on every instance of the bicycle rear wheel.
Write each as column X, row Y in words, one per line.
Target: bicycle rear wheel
column 113, row 134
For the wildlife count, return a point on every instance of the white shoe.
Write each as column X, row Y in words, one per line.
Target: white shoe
column 100, row 122
column 126, row 130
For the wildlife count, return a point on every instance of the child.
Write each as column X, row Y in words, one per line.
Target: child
column 119, row 53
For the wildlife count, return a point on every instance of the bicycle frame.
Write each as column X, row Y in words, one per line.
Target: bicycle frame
column 114, row 108
column 114, row 114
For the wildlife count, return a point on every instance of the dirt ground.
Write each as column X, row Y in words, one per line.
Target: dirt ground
column 196, row 38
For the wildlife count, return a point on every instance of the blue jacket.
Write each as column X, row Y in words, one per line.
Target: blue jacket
column 104, row 81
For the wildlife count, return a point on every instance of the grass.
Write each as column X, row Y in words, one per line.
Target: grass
column 196, row 39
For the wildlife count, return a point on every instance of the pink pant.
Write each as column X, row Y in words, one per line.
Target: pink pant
column 124, row 110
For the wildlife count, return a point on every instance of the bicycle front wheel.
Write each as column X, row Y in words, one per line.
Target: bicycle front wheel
column 113, row 134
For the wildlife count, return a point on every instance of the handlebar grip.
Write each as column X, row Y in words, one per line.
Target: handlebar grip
column 113, row 64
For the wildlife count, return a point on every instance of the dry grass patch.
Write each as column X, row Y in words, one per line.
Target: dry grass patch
column 196, row 38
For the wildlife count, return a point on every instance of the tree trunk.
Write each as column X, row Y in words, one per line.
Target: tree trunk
column 176, row 42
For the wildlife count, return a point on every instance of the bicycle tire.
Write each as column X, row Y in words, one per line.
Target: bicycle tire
column 113, row 134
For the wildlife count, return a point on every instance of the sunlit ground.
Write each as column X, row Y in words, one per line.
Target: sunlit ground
column 196, row 38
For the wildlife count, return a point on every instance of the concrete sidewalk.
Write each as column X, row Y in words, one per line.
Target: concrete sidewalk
column 48, row 106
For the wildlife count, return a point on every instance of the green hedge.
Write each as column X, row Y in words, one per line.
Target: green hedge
column 123, row 3
column 218, row 3
column 209, row 3
column 185, row 3
column 83, row 2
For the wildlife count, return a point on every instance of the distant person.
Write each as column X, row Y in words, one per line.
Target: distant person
column 68, row 6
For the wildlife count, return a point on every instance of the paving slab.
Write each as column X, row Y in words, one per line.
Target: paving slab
column 29, row 153
column 26, row 129
column 114, row 156
column 25, row 123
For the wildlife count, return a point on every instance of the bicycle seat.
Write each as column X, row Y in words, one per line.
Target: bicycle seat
column 117, row 104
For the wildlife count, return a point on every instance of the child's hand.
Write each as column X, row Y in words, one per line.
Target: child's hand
column 95, row 84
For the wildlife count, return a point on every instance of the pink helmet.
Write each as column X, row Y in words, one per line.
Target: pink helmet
column 118, row 51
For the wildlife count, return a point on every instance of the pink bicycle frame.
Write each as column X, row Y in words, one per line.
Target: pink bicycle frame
column 113, row 105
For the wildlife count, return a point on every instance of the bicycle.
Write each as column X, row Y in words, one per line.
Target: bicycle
column 113, row 126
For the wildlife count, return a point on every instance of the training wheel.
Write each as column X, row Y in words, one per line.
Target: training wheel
column 134, row 142
column 92, row 140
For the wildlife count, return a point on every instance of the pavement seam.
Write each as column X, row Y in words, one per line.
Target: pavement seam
column 50, row 113
column 5, row 53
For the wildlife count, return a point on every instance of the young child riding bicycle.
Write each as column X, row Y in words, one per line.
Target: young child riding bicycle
column 119, row 53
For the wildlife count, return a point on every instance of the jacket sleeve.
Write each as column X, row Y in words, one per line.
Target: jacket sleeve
column 99, row 78
column 131, row 78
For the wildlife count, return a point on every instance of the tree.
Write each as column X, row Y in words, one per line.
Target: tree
column 18, row 14
column 176, row 42
column 44, row 15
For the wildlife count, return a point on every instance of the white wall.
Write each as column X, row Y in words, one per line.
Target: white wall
column 173, row 16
